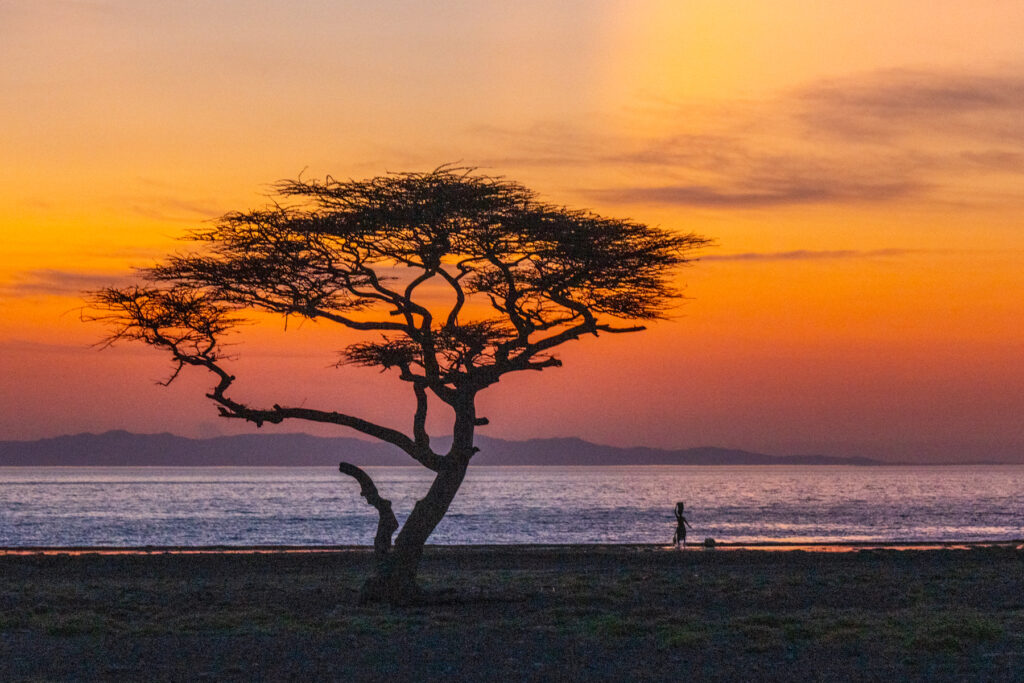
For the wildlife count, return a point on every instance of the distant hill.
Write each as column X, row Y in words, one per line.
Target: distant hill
column 119, row 448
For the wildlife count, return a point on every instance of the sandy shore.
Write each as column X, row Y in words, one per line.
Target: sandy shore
column 517, row 613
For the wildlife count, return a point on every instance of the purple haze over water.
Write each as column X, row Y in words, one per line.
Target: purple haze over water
column 130, row 506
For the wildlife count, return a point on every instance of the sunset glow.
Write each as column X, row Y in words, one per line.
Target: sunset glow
column 858, row 166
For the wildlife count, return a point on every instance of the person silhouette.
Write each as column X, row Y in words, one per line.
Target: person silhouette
column 681, row 524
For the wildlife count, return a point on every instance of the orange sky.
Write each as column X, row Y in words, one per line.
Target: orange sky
column 858, row 164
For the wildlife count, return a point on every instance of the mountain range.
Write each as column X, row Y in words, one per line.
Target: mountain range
column 120, row 448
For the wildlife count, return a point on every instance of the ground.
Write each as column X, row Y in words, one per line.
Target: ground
column 519, row 613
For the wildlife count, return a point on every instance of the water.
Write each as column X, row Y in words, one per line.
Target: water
column 314, row 506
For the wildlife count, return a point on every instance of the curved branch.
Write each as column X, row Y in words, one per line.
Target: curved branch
column 512, row 295
column 356, row 324
column 232, row 409
column 460, row 298
column 611, row 329
column 404, row 306
column 419, row 427
column 588, row 326
column 417, row 281
column 387, row 525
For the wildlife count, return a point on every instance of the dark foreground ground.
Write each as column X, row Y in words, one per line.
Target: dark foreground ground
column 520, row 613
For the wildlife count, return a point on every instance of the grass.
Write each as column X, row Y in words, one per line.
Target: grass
column 519, row 614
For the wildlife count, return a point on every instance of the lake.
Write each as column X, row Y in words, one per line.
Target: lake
column 128, row 506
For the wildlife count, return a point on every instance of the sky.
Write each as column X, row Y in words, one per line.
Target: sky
column 858, row 165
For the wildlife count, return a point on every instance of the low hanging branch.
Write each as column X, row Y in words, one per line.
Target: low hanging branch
column 387, row 524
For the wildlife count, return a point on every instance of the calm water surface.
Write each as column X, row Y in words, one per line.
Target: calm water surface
column 313, row 506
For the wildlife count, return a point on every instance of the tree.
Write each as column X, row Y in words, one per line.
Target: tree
column 358, row 253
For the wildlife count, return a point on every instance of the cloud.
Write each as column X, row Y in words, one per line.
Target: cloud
column 128, row 252
column 54, row 282
column 890, row 103
column 783, row 193
column 882, row 136
column 552, row 144
column 995, row 159
column 22, row 346
column 173, row 210
column 811, row 255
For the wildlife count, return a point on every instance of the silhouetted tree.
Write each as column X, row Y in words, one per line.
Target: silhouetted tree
column 358, row 253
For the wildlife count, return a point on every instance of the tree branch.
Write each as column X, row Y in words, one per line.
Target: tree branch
column 232, row 409
column 610, row 329
column 419, row 427
column 460, row 298
column 387, row 524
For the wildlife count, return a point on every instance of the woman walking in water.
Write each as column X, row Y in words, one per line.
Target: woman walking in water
column 681, row 524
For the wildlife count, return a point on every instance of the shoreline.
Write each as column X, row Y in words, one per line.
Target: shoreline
column 763, row 546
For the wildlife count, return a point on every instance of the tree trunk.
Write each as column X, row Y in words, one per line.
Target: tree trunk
column 394, row 580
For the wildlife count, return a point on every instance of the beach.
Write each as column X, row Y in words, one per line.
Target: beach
column 617, row 612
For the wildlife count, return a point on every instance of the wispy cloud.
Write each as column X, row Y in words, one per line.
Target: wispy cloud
column 564, row 144
column 54, row 282
column 874, row 137
column 811, row 255
column 886, row 104
column 995, row 160
column 22, row 346
column 783, row 192
column 174, row 210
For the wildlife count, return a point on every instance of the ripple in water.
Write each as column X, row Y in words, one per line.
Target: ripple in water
column 313, row 506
